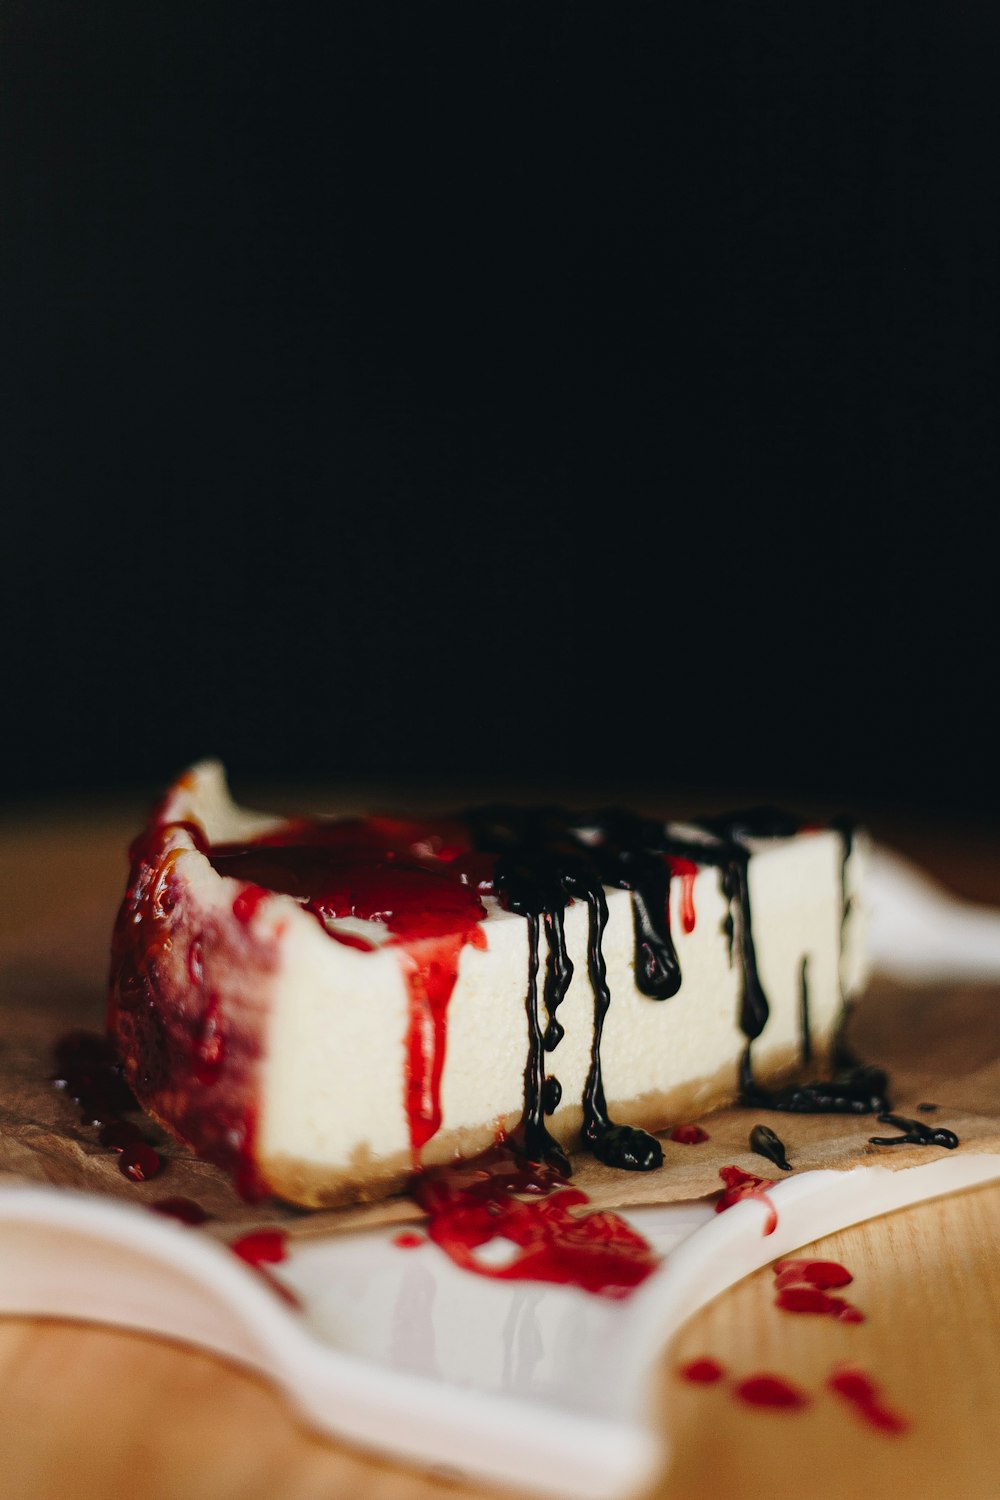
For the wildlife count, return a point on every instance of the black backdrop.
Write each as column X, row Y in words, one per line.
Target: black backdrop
column 486, row 390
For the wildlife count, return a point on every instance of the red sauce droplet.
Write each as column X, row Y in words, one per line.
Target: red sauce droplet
column 409, row 1239
column 139, row 1163
column 821, row 1273
column 687, row 870
column 485, row 1200
column 801, row 1287
column 688, row 1135
column 854, row 1386
column 770, row 1390
column 741, row 1185
column 184, row 1209
column 809, row 1299
column 261, row 1247
column 702, row 1371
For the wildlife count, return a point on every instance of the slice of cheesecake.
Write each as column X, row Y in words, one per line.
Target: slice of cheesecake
column 320, row 1006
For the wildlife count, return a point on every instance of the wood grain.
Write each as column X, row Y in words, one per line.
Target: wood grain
column 96, row 1414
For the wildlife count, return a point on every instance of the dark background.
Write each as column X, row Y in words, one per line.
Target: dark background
column 522, row 394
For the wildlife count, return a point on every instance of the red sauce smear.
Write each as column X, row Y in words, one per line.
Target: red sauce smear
column 860, row 1390
column 687, row 870
column 409, row 1239
column 801, row 1287
column 688, row 1135
column 500, row 1197
column 809, row 1299
column 262, row 1248
column 821, row 1273
column 770, row 1390
column 741, row 1185
column 702, row 1371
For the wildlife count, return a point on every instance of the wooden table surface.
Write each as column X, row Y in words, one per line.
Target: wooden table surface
column 94, row 1414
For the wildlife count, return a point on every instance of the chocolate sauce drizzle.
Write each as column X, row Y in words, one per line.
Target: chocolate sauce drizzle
column 915, row 1133
column 805, row 1051
column 547, row 857
column 542, row 864
column 855, row 1091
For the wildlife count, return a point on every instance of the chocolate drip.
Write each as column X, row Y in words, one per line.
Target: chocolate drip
column 631, row 855
column 722, row 852
column 915, row 1133
column 754, row 1008
column 657, row 971
column 558, row 974
column 616, row 1145
column 844, row 1056
column 845, row 828
column 542, row 864
column 551, row 1095
column 764, row 1142
column 806, row 1033
column 732, row 860
column 531, row 1137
